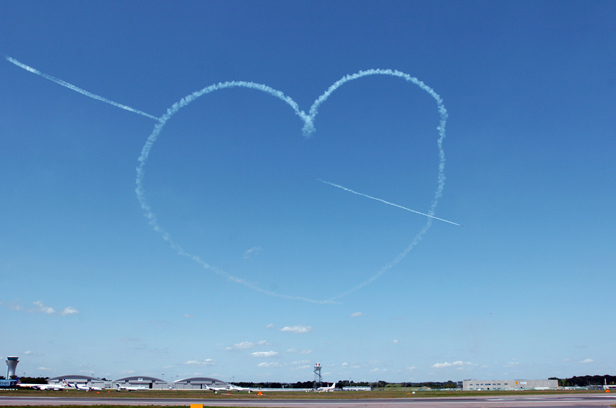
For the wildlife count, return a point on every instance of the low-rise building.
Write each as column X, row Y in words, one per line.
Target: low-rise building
column 473, row 385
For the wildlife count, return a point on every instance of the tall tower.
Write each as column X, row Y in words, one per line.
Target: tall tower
column 317, row 376
column 11, row 362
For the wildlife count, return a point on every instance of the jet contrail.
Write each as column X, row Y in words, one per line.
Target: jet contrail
column 387, row 202
column 76, row 89
column 307, row 130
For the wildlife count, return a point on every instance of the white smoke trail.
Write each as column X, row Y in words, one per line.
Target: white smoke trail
column 307, row 130
column 76, row 89
column 441, row 166
column 386, row 202
column 145, row 152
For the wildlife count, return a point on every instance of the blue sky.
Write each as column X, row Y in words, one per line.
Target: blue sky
column 523, row 290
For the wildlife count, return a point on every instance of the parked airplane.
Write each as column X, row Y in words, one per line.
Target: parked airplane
column 327, row 389
column 130, row 387
column 81, row 387
column 227, row 387
column 42, row 387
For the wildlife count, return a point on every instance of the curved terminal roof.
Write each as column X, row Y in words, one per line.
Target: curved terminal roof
column 74, row 377
column 199, row 380
column 140, row 378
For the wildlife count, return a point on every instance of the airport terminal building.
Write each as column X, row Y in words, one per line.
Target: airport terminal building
column 484, row 385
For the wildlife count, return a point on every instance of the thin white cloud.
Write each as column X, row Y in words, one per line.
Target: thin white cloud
column 345, row 364
column 14, row 305
column 300, row 362
column 395, row 341
column 189, row 315
column 270, row 326
column 264, row 353
column 246, row 345
column 44, row 369
column 411, row 368
column 297, row 329
column 252, row 251
column 378, row 370
column 207, row 361
column 587, row 361
column 268, row 365
column 454, row 364
column 302, row 367
column 357, row 314
column 40, row 307
column 69, row 311
column 294, row 350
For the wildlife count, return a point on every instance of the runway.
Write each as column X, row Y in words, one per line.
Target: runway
column 552, row 401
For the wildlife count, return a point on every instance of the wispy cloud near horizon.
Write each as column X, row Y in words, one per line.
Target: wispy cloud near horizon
column 297, row 329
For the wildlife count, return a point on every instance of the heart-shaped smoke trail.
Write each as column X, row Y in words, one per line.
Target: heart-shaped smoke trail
column 307, row 130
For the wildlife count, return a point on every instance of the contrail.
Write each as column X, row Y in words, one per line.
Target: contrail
column 307, row 130
column 76, row 89
column 387, row 202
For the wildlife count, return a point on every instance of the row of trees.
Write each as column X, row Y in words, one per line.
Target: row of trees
column 585, row 380
column 30, row 380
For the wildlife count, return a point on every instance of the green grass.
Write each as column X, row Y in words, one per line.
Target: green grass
column 200, row 394
column 106, row 406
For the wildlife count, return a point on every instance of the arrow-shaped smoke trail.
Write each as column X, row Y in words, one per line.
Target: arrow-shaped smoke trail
column 387, row 202
column 76, row 89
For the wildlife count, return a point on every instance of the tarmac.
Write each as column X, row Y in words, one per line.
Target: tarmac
column 552, row 401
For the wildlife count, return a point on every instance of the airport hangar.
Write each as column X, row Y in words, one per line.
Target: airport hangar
column 193, row 383
column 84, row 380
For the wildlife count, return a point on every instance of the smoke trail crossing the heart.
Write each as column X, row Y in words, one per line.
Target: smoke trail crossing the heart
column 76, row 89
column 307, row 130
column 386, row 202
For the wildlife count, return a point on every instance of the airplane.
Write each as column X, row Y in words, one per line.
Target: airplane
column 227, row 387
column 81, row 387
column 238, row 388
column 130, row 387
column 327, row 389
column 41, row 387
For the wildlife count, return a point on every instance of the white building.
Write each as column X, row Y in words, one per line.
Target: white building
column 484, row 385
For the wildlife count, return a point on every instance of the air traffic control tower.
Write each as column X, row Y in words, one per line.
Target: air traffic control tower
column 11, row 362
